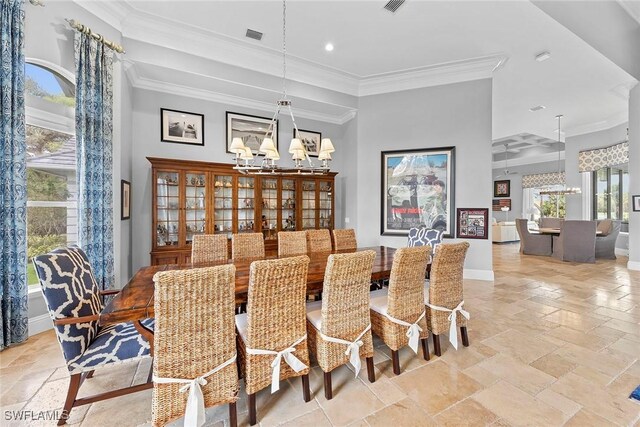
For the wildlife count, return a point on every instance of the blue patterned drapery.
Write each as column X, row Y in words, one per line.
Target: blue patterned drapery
column 94, row 100
column 13, row 177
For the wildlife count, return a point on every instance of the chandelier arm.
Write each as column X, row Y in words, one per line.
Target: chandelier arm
column 297, row 132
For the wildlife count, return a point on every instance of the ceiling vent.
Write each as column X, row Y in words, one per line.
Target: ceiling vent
column 537, row 108
column 253, row 34
column 393, row 5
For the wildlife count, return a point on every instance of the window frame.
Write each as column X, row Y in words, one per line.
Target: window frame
column 594, row 194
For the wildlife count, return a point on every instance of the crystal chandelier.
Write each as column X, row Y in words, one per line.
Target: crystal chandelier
column 268, row 149
column 564, row 190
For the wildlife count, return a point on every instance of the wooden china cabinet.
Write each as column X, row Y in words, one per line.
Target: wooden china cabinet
column 193, row 197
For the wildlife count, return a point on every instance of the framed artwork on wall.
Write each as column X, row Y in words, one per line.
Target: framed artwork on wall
column 125, row 199
column 251, row 129
column 310, row 141
column 418, row 190
column 636, row 203
column 498, row 204
column 473, row 223
column 181, row 127
column 502, row 188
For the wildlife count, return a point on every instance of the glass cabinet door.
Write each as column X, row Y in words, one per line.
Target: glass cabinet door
column 246, row 204
column 308, row 205
column 167, row 208
column 223, row 204
column 288, row 205
column 269, row 220
column 195, row 208
column 325, row 205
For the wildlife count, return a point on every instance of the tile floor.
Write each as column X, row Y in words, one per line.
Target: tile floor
column 552, row 343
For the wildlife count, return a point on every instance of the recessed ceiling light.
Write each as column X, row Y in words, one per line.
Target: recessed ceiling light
column 543, row 56
column 537, row 108
column 328, row 47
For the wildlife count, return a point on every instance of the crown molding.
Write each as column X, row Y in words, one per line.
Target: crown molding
column 522, row 161
column 608, row 123
column 633, row 11
column 112, row 12
column 433, row 75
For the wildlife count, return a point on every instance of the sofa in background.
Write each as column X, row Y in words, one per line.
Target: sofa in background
column 504, row 232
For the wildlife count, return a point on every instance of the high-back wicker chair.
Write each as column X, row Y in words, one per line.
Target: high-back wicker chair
column 194, row 339
column 344, row 239
column 318, row 240
column 209, row 248
column 445, row 295
column 292, row 243
column 274, row 328
column 398, row 313
column 341, row 320
column 247, row 245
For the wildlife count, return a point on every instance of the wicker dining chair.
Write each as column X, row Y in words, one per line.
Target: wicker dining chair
column 292, row 243
column 341, row 321
column 444, row 295
column 272, row 334
column 247, row 245
column 345, row 239
column 398, row 312
column 209, row 248
column 318, row 240
column 194, row 340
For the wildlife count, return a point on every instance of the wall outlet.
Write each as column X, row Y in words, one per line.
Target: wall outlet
column 346, row 220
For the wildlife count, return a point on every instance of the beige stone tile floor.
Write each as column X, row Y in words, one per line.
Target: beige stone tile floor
column 552, row 343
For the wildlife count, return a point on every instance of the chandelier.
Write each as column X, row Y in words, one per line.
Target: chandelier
column 268, row 151
column 564, row 190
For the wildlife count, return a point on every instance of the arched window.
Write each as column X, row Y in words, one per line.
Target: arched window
column 51, row 161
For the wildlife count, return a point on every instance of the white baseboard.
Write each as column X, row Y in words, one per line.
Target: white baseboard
column 473, row 274
column 39, row 324
column 622, row 252
column 633, row 265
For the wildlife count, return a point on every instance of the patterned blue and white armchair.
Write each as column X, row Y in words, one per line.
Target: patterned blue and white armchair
column 74, row 302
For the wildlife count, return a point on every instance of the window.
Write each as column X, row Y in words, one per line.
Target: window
column 611, row 193
column 51, row 163
column 548, row 205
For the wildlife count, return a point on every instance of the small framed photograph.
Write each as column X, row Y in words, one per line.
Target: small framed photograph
column 502, row 188
column 310, row 140
column 636, row 203
column 251, row 129
column 473, row 223
column 125, row 199
column 181, row 127
column 498, row 204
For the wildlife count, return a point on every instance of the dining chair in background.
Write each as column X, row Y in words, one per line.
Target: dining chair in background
column 195, row 344
column 272, row 334
column 339, row 326
column 606, row 242
column 209, row 248
column 344, row 239
column 247, row 245
column 292, row 243
column 444, row 297
column 318, row 240
column 74, row 302
column 550, row 222
column 532, row 244
column 576, row 242
column 398, row 312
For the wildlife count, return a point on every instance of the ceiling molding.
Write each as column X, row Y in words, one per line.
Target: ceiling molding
column 522, row 161
column 180, row 90
column 112, row 12
column 433, row 75
column 632, row 8
column 615, row 120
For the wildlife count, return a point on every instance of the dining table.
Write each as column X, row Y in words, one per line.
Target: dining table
column 134, row 302
column 556, row 231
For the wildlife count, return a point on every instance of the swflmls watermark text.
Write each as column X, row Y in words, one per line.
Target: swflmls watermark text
column 23, row 415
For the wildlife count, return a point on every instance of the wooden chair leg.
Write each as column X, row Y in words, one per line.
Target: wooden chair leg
column 306, row 391
column 436, row 345
column 328, row 391
column 425, row 348
column 74, row 386
column 465, row 336
column 396, row 362
column 90, row 374
column 252, row 409
column 371, row 373
column 233, row 415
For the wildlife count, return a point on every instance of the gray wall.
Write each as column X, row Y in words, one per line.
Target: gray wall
column 452, row 115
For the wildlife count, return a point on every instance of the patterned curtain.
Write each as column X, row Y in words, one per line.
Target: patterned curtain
column 592, row 160
column 13, row 174
column 94, row 99
column 542, row 179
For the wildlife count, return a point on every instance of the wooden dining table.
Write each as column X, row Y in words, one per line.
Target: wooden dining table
column 134, row 302
column 556, row 231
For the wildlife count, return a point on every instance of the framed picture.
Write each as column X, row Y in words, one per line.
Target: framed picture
column 502, row 188
column 473, row 223
column 251, row 129
column 125, row 199
column 310, row 141
column 636, row 203
column 498, row 204
column 418, row 190
column 181, row 127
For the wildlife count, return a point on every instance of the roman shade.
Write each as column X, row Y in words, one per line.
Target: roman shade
column 592, row 160
column 542, row 179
